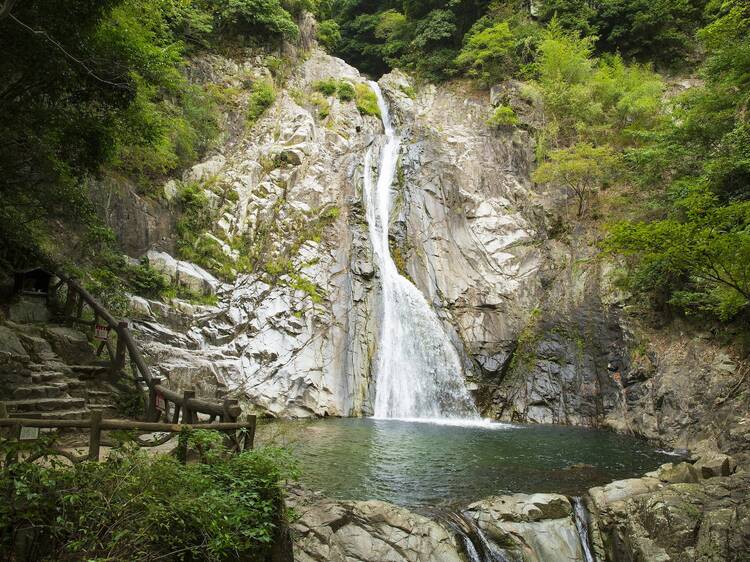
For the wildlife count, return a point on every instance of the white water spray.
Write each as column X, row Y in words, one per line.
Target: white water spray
column 418, row 372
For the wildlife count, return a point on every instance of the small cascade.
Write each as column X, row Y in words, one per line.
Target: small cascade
column 418, row 371
column 477, row 546
column 582, row 526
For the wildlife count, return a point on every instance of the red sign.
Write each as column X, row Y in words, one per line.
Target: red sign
column 101, row 332
column 161, row 404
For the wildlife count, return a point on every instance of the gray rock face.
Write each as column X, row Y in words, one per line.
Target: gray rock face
column 186, row 274
column 667, row 518
column 530, row 528
column 543, row 333
column 371, row 531
column 293, row 344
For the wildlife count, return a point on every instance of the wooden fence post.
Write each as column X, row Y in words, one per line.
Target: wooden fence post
column 118, row 361
column 70, row 301
column 249, row 434
column 188, row 415
column 182, row 446
column 229, row 404
column 95, row 437
column 151, row 410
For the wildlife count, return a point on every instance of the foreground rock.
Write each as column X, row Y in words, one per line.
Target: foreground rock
column 370, row 531
column 529, row 528
column 674, row 514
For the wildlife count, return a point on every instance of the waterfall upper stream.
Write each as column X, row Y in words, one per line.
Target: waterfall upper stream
column 418, row 372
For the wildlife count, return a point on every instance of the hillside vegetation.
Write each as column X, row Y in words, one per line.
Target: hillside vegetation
column 680, row 161
column 93, row 86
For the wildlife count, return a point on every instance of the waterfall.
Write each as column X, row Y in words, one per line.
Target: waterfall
column 418, row 372
column 477, row 546
column 582, row 526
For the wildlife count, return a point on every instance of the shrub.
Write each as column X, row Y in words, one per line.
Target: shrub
column 366, row 100
column 136, row 506
column 327, row 87
column 503, row 116
column 147, row 281
column 346, row 91
column 262, row 96
column 321, row 104
column 256, row 17
column 487, row 54
column 329, row 35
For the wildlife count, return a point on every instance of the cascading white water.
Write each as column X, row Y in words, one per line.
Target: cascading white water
column 418, row 372
column 579, row 516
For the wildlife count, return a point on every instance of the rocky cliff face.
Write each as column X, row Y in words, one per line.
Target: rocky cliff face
column 522, row 293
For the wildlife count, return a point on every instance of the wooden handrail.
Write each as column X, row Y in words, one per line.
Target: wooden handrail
column 110, row 424
column 226, row 410
column 90, row 300
column 95, row 424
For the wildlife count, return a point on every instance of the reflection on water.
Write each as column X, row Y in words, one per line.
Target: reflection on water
column 428, row 464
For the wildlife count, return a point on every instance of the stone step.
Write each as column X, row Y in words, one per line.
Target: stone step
column 77, row 414
column 107, row 410
column 90, row 370
column 49, row 390
column 47, row 376
column 99, row 393
column 45, row 404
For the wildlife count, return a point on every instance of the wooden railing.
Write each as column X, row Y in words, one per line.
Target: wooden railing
column 159, row 396
column 95, row 424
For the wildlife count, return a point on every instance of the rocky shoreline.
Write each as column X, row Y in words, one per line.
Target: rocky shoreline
column 688, row 511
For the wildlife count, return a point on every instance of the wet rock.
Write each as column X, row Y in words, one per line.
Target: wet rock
column 537, row 527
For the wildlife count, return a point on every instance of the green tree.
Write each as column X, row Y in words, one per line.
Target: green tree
column 582, row 168
column 692, row 250
column 329, row 35
column 487, row 54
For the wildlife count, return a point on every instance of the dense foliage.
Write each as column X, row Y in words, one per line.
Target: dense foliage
column 94, row 84
column 692, row 252
column 90, row 86
column 136, row 506
column 416, row 34
column 648, row 30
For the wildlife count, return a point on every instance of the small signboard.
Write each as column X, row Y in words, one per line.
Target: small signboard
column 101, row 332
column 28, row 434
column 161, row 404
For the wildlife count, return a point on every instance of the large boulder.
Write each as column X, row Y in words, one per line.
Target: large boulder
column 187, row 274
column 10, row 344
column 70, row 344
column 715, row 464
column 370, row 531
column 648, row 519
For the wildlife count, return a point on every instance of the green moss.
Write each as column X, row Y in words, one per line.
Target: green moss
column 346, row 91
column 262, row 96
column 321, row 105
column 503, row 116
column 366, row 100
column 408, row 90
column 270, row 249
column 524, row 356
column 327, row 87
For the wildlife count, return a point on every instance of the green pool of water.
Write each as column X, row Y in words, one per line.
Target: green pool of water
column 425, row 464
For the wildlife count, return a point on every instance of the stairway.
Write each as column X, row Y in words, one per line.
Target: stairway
column 44, row 375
